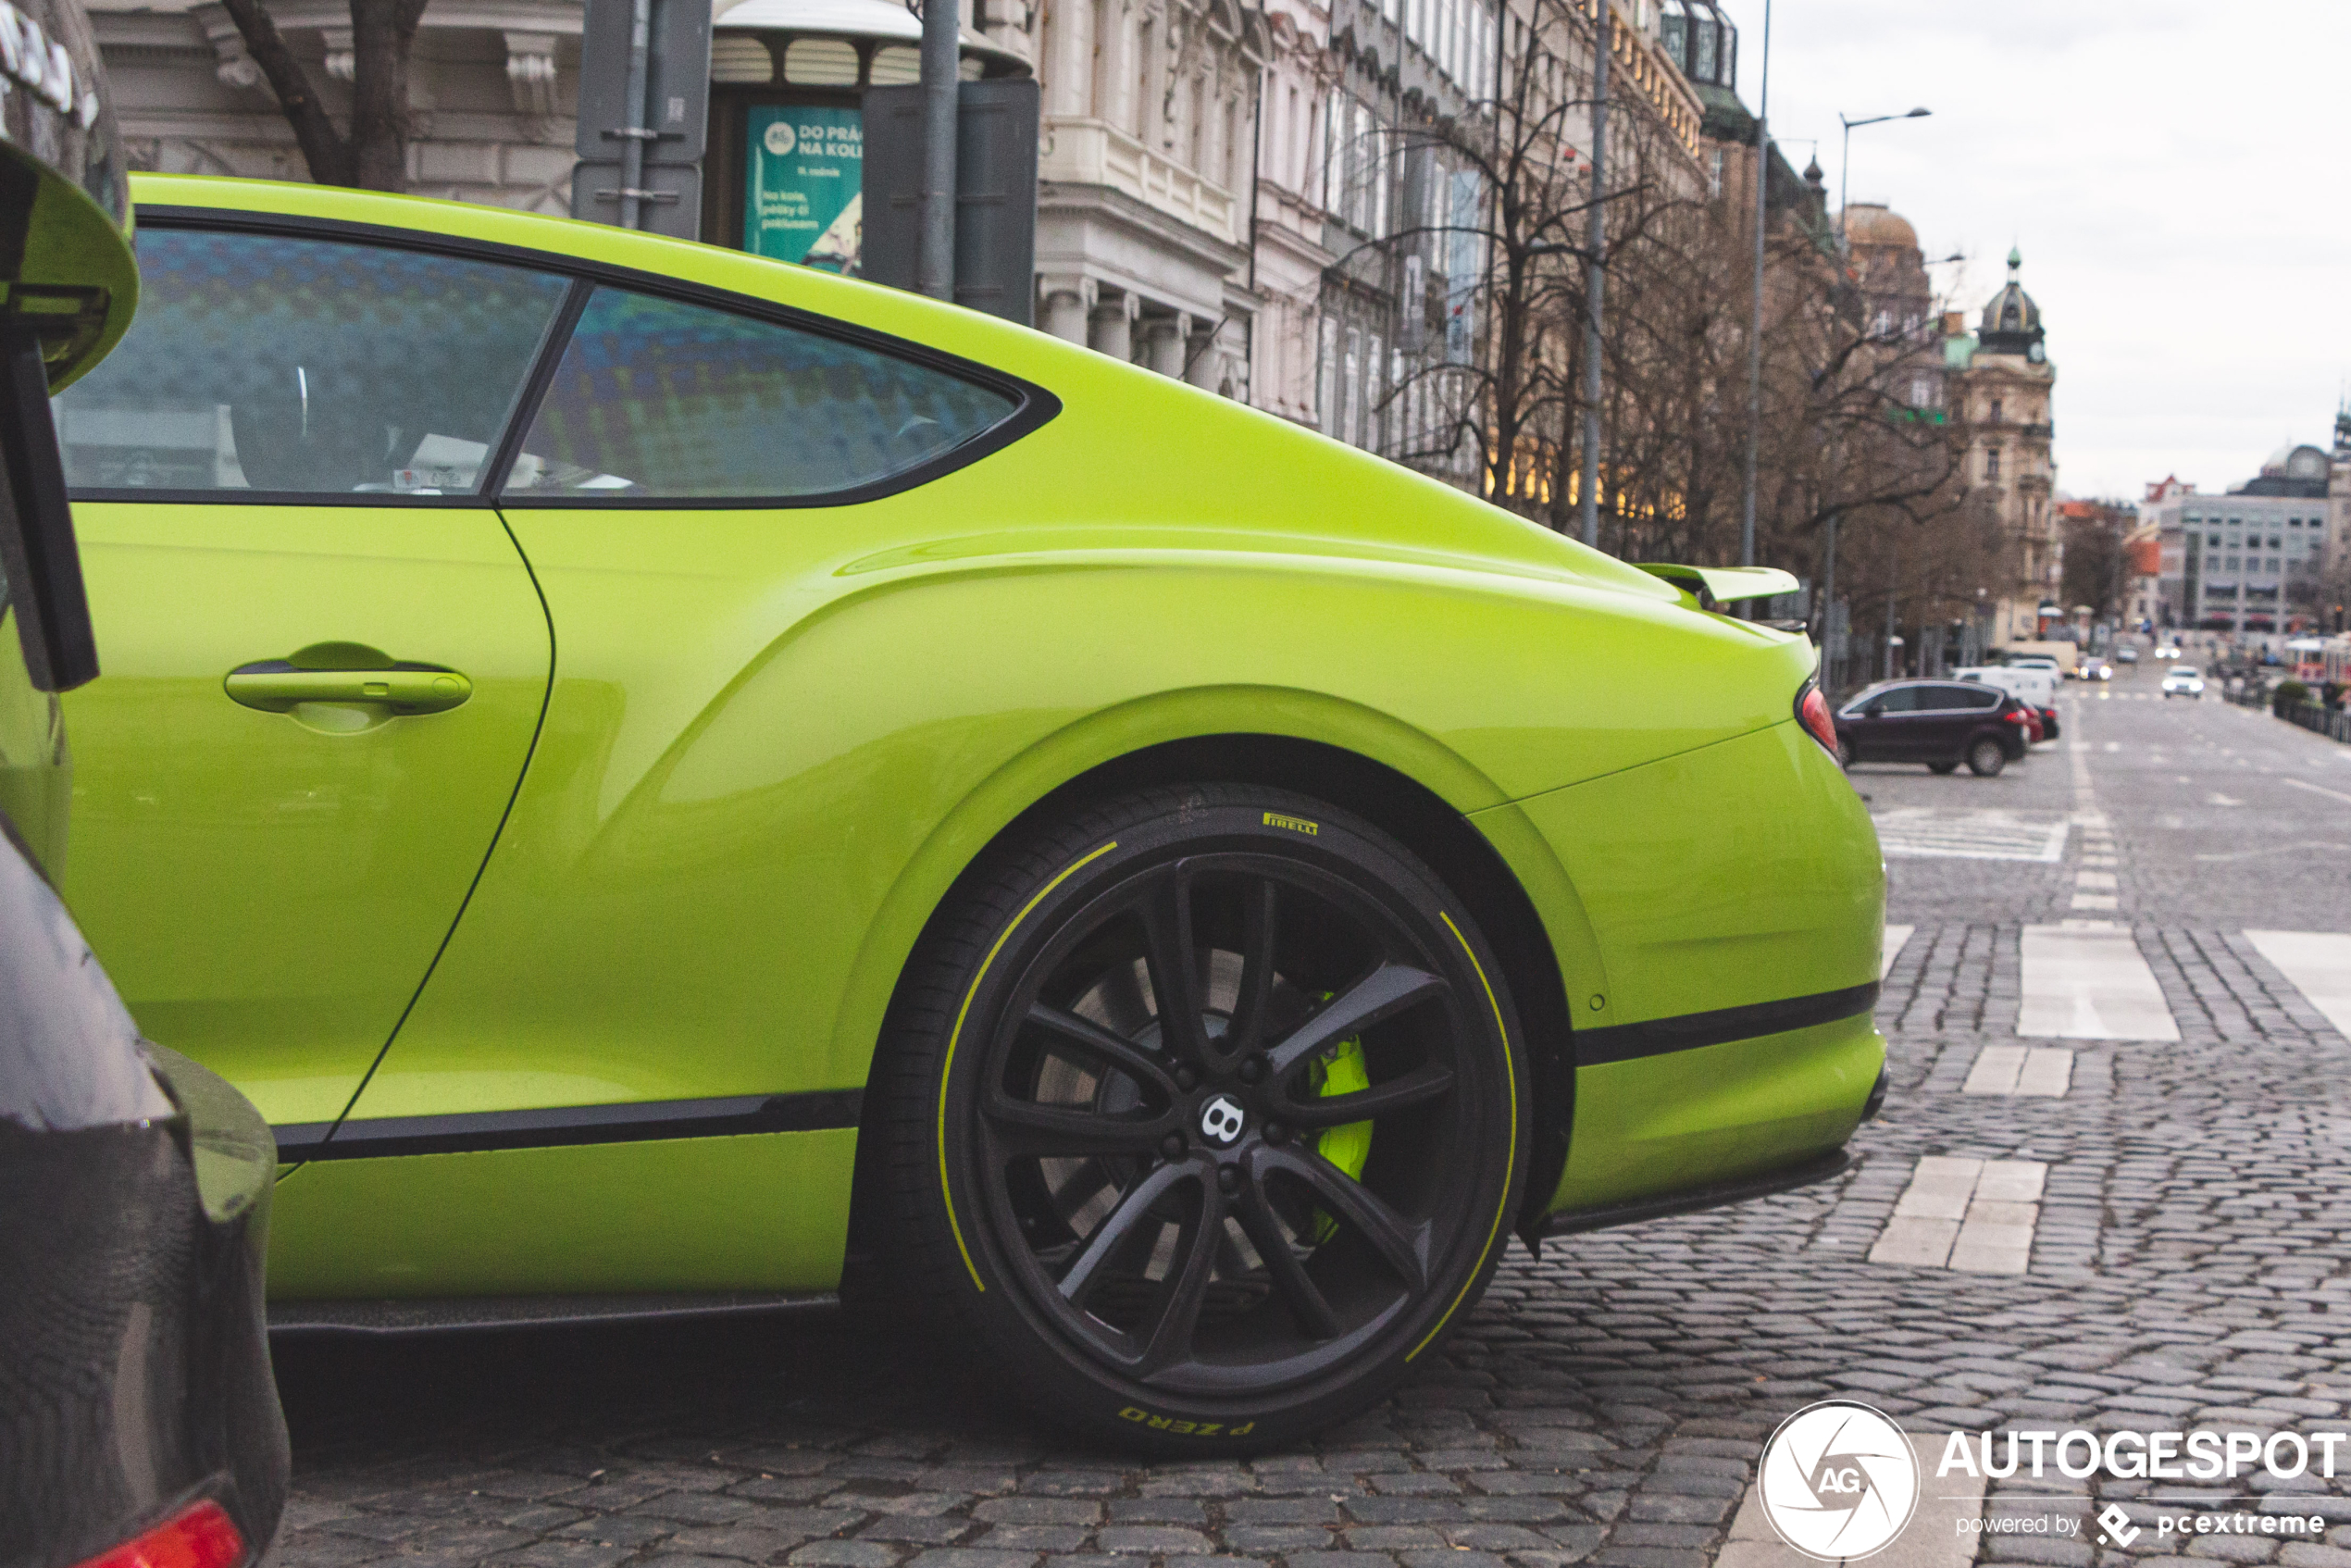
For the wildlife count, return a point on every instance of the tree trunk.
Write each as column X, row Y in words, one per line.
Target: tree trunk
column 323, row 148
column 383, row 34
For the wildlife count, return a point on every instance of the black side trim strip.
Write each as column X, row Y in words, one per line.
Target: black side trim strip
column 561, row 1126
column 1820, row 1168
column 428, row 1316
column 1630, row 1042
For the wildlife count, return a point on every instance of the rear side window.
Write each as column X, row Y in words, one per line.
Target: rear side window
column 310, row 367
column 1973, row 697
column 655, row 400
column 1901, row 700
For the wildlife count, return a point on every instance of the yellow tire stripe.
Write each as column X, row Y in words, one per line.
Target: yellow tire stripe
column 947, row 1067
column 1511, row 1075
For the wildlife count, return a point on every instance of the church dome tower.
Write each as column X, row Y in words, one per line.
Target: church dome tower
column 2012, row 322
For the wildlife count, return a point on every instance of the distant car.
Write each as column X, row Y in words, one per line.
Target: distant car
column 2167, row 652
column 2035, row 684
column 2127, row 655
column 2183, row 681
column 1939, row 723
column 2097, row 669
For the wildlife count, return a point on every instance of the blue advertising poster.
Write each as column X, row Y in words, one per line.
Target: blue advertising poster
column 804, row 200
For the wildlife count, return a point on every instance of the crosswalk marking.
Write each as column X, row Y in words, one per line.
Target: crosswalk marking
column 2040, row 1070
column 2086, row 980
column 1891, row 949
column 1972, row 1215
column 2318, row 962
column 1970, row 835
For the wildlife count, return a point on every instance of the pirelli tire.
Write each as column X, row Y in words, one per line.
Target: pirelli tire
column 1200, row 1118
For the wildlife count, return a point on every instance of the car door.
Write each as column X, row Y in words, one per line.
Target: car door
column 1946, row 715
column 1888, row 736
column 634, row 1014
column 325, row 658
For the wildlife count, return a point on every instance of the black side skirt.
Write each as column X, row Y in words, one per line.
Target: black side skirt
column 1820, row 1168
column 559, row 1126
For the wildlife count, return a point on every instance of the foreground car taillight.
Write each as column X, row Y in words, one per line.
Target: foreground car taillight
column 200, row 1535
column 2018, row 716
column 1812, row 713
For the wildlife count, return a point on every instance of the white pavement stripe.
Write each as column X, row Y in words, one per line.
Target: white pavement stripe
column 2041, row 1070
column 2330, row 794
column 1897, row 938
column 1975, row 1216
column 1969, row 835
column 2318, row 962
column 1942, row 1534
column 2086, row 980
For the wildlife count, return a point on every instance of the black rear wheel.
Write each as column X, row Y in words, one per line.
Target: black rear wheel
column 1986, row 756
column 1204, row 1113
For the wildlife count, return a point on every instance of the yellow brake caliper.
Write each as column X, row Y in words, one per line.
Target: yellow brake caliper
column 1339, row 1070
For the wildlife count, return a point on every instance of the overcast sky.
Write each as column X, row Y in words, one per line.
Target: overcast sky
column 2173, row 170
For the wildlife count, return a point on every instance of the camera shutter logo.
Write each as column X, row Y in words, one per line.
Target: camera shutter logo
column 1839, row 1480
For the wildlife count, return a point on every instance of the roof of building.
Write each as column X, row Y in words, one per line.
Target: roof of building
column 2012, row 320
column 1875, row 223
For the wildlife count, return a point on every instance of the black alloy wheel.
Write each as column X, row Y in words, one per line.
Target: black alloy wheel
column 1986, row 756
column 1225, row 1125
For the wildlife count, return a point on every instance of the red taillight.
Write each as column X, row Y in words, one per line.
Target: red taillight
column 2020, row 716
column 200, row 1535
column 1812, row 713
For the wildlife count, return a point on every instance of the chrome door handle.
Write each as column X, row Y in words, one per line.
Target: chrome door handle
column 277, row 686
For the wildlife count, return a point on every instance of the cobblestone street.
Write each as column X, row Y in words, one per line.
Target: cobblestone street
column 2188, row 1263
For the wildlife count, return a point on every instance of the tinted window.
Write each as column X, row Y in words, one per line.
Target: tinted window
column 308, row 366
column 662, row 401
column 1901, row 700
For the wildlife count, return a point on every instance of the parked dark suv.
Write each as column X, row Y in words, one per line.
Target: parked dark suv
column 1940, row 723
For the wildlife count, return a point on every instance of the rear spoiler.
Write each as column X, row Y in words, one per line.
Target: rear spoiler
column 1708, row 588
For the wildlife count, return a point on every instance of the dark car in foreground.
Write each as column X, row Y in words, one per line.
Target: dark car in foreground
column 139, row 1420
column 1939, row 723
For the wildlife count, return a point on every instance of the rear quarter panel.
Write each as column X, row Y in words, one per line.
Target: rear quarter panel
column 1731, row 875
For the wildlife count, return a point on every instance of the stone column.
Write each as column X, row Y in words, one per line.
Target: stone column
column 1206, row 362
column 1165, row 339
column 1067, row 302
column 1112, row 323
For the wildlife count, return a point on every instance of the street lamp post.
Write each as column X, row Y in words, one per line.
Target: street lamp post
column 1845, row 159
column 1755, row 323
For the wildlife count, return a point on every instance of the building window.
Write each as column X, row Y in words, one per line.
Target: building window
column 1996, row 411
column 1715, row 172
column 1992, row 466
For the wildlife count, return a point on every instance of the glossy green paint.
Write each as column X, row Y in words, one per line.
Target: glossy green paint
column 1732, row 874
column 35, row 768
column 1721, row 1112
column 269, row 888
column 772, row 740
column 763, row 1213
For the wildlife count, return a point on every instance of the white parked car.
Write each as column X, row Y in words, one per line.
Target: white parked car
column 2035, row 684
column 2183, row 681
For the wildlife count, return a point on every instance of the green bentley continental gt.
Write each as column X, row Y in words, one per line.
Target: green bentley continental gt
column 662, row 772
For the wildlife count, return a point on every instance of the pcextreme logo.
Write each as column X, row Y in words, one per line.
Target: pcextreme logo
column 1839, row 1480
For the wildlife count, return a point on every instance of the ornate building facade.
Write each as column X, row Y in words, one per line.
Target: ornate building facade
column 2000, row 382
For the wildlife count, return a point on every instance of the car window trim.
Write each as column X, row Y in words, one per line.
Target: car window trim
column 1033, row 405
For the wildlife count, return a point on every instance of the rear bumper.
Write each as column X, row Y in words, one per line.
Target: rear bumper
column 133, row 1353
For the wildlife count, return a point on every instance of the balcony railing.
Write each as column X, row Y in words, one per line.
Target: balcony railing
column 1090, row 152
